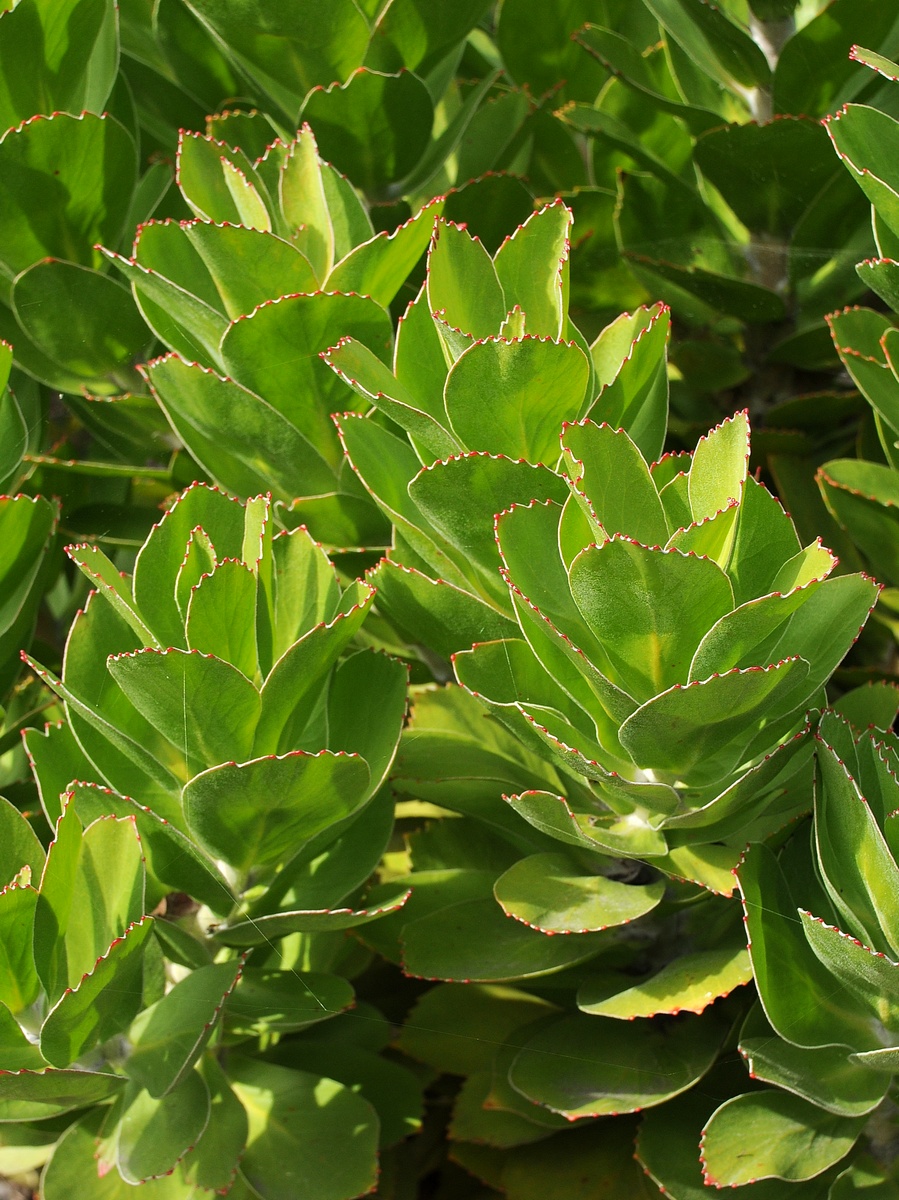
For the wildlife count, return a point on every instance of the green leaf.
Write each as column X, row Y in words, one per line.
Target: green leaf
column 714, row 43
column 472, row 1121
column 102, row 1004
column 857, row 868
column 860, row 496
column 710, row 866
column 66, row 185
column 221, row 616
column 649, row 75
column 302, row 670
column 870, row 705
column 102, row 572
column 91, row 890
column 418, row 36
column 861, row 338
column 553, row 816
column 804, row 1003
column 72, row 1169
column 765, row 1135
column 375, row 127
column 768, row 174
column 688, row 984
column 17, row 1053
column 330, row 868
column 248, row 202
column 462, row 287
column 542, row 243
column 19, row 845
column 605, row 465
column 696, row 289
column 212, row 1163
column 542, row 63
column 269, row 453
column 27, row 529
column 712, row 538
column 247, row 266
column 125, row 760
column 718, row 472
column 304, row 202
column 386, row 464
column 36, row 1095
column 433, row 612
column 209, row 175
column 205, row 707
column 254, row 813
column 528, row 541
column 868, row 974
column 393, row 1091
column 56, row 57
column 881, row 275
column 824, row 1076
column 419, row 363
column 179, row 319
column 366, row 374
column 160, row 558
column 611, row 1068
column 274, row 353
column 816, row 70
column 305, row 586
column 296, row 1120
column 272, row 1002
column 596, row 1158
column 668, row 1149
column 456, row 1027
column 287, row 53
column 699, row 732
column 171, row 857
column 827, row 624
column 765, row 788
column 461, row 497
column 19, row 981
column 534, row 384
column 84, row 321
column 629, row 356
column 267, row 928
column 153, row 1135
column 867, row 1175
column 859, row 134
column 367, row 709
column 168, row 1037
column 877, row 62
column 380, row 266
column 475, row 940
column 548, row 892
column 649, row 609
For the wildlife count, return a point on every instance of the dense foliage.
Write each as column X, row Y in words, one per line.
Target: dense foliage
column 435, row 762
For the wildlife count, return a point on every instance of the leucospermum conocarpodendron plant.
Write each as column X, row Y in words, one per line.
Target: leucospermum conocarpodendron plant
column 650, row 637
column 822, row 924
column 487, row 365
column 224, row 741
column 821, row 914
column 280, row 261
column 862, row 492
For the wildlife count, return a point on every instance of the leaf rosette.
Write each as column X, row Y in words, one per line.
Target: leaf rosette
column 673, row 635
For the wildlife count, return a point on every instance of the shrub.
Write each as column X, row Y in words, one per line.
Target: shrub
column 432, row 663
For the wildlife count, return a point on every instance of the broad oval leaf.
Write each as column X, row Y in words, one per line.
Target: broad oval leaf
column 765, row 1135
column 259, row 812
column 550, row 894
column 590, row 1066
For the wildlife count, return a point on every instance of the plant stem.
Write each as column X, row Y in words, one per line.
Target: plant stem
column 770, row 37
